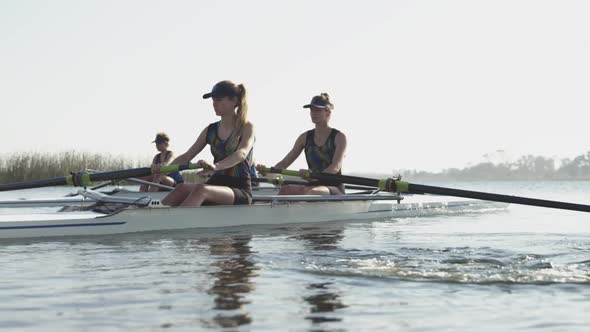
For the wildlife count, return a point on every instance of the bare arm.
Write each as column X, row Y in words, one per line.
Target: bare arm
column 192, row 152
column 293, row 154
column 246, row 143
column 336, row 164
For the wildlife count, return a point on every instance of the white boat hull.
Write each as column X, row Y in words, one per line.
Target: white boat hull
column 145, row 219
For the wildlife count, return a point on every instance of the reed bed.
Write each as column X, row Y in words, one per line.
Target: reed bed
column 17, row 167
column 34, row 166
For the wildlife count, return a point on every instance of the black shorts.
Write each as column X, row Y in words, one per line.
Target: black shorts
column 176, row 177
column 242, row 197
column 241, row 187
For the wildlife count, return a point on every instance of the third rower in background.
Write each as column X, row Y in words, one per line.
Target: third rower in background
column 324, row 150
column 163, row 158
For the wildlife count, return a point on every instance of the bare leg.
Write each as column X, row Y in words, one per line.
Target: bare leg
column 292, row 189
column 318, row 190
column 179, row 194
column 304, row 190
column 145, row 187
column 217, row 195
column 161, row 179
column 167, row 181
column 155, row 179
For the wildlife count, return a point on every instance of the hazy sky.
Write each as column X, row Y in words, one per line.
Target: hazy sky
column 416, row 84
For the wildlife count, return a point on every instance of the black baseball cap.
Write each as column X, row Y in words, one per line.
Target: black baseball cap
column 320, row 101
column 161, row 138
column 223, row 89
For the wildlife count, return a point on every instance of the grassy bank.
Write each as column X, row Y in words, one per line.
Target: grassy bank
column 18, row 167
column 33, row 166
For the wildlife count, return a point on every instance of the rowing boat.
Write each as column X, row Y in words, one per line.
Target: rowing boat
column 145, row 215
column 385, row 198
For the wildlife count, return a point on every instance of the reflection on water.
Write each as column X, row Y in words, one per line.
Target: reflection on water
column 324, row 300
column 321, row 239
column 232, row 276
column 325, row 296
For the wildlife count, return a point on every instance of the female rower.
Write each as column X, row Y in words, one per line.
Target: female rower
column 163, row 158
column 231, row 140
column 324, row 150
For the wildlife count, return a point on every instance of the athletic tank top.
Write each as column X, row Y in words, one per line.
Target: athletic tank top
column 177, row 177
column 320, row 157
column 237, row 176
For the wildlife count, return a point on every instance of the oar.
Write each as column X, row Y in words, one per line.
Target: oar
column 101, row 185
column 83, row 179
column 152, row 184
column 393, row 185
column 132, row 180
column 280, row 181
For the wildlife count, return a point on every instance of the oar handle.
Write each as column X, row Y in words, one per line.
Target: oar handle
column 389, row 184
column 286, row 172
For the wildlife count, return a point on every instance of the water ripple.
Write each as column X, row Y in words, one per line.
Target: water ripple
column 453, row 265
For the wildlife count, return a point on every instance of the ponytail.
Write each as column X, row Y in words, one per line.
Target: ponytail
column 326, row 97
column 240, row 118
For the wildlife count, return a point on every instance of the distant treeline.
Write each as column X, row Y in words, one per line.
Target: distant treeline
column 525, row 168
column 35, row 166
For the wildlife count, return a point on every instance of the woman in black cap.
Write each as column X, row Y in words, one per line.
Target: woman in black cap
column 324, row 149
column 163, row 158
column 231, row 140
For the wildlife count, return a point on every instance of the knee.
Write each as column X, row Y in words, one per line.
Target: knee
column 292, row 190
column 182, row 188
column 285, row 190
column 318, row 191
column 198, row 189
column 179, row 188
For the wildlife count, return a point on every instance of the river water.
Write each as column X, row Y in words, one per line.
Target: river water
column 522, row 269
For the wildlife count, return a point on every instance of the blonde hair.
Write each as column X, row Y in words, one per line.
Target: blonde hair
column 240, row 117
column 326, row 98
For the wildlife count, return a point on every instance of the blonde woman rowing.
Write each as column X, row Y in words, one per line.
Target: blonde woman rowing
column 231, row 141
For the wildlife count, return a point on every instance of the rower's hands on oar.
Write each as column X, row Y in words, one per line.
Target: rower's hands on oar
column 261, row 169
column 155, row 168
column 304, row 174
column 208, row 168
